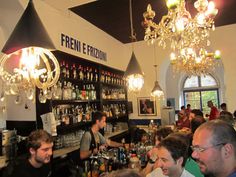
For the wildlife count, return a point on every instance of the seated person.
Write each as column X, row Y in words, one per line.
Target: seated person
column 92, row 141
column 183, row 121
column 39, row 146
column 172, row 155
column 152, row 154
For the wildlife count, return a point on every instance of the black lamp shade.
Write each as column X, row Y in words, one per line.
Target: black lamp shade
column 133, row 67
column 29, row 32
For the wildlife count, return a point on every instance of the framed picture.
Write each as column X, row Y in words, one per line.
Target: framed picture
column 146, row 106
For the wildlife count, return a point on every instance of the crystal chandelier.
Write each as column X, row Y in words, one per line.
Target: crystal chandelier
column 133, row 74
column 194, row 62
column 27, row 63
column 188, row 37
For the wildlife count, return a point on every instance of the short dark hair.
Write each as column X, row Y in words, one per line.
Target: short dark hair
column 197, row 112
column 163, row 132
column 177, row 148
column 182, row 107
column 196, row 122
column 188, row 105
column 223, row 105
column 227, row 117
column 37, row 137
column 97, row 116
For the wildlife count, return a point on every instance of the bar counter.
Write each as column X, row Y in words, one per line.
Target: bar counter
column 64, row 151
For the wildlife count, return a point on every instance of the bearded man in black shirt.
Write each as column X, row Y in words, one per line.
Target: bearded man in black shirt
column 40, row 145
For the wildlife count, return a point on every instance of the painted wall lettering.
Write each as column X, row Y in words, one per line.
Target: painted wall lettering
column 74, row 44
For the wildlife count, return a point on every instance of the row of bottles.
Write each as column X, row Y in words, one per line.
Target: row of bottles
column 112, row 78
column 111, row 93
column 114, row 110
column 68, row 91
column 70, row 114
column 77, row 71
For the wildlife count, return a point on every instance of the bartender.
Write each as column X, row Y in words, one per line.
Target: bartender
column 92, row 140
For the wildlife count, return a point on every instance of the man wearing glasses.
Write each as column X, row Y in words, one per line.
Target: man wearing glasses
column 214, row 148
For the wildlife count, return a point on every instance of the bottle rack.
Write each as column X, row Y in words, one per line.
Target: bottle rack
column 83, row 88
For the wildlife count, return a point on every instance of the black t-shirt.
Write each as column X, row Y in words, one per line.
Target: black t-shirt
column 25, row 169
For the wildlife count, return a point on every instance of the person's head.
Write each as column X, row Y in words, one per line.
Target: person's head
column 99, row 119
column 172, row 155
column 40, row 145
column 162, row 133
column 188, row 106
column 223, row 107
column 214, row 147
column 196, row 122
column 210, row 104
column 124, row 173
column 194, row 113
column 227, row 117
column 182, row 107
column 182, row 114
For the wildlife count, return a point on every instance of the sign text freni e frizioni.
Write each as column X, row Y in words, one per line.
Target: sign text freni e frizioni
column 74, row 44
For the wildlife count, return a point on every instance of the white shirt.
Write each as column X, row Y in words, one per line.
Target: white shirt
column 158, row 172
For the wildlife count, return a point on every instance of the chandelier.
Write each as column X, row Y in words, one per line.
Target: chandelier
column 188, row 37
column 27, row 63
column 194, row 62
column 133, row 74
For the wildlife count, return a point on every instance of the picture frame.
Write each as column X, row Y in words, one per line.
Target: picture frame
column 146, row 106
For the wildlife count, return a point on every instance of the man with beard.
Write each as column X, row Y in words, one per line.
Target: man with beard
column 40, row 145
column 214, row 148
column 172, row 154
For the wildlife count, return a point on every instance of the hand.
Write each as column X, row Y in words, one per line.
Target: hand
column 95, row 151
column 103, row 147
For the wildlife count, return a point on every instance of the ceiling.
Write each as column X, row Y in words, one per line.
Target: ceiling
column 112, row 16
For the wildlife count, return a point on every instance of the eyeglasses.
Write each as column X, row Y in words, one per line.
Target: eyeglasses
column 202, row 149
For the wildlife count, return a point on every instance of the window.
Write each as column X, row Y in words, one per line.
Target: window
column 200, row 89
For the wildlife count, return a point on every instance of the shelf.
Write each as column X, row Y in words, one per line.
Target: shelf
column 114, row 100
column 78, row 81
column 64, row 151
column 113, row 85
column 117, row 119
column 63, row 129
column 111, row 134
column 56, row 102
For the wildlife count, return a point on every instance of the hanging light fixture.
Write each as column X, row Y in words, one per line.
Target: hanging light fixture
column 133, row 74
column 156, row 91
column 28, row 62
column 184, row 33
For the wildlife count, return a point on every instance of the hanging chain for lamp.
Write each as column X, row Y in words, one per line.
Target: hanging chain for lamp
column 133, row 74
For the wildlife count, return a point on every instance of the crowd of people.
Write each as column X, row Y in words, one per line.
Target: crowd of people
column 198, row 147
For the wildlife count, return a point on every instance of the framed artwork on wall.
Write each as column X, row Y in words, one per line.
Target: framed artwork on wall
column 146, row 106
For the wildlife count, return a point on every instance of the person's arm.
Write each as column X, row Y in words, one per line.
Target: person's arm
column 109, row 142
column 114, row 144
column 87, row 153
column 85, row 146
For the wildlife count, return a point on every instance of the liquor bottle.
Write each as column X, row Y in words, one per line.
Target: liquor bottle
column 88, row 74
column 74, row 72
column 67, row 71
column 73, row 94
column 102, row 79
column 63, row 69
column 81, row 73
column 95, row 75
